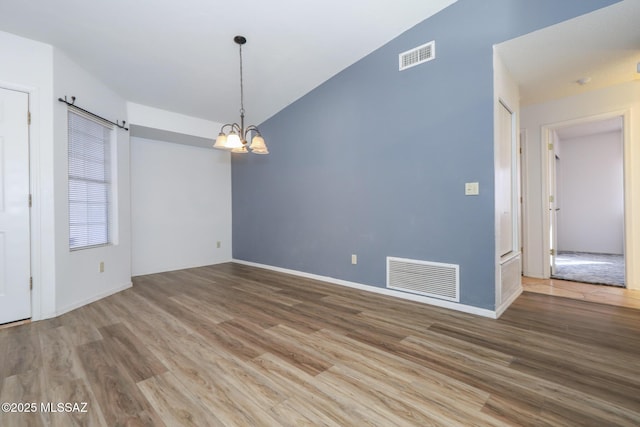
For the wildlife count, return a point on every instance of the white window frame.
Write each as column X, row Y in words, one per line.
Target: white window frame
column 98, row 181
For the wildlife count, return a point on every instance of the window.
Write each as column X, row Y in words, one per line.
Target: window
column 89, row 181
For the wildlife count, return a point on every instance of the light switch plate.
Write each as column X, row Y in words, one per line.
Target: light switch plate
column 471, row 188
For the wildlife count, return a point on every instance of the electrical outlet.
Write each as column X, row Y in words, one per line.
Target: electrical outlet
column 101, row 266
column 471, row 188
column 354, row 259
column 218, row 244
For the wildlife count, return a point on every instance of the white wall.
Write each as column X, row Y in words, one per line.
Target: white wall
column 78, row 278
column 181, row 206
column 590, row 194
column 28, row 66
column 615, row 100
column 64, row 280
column 181, row 192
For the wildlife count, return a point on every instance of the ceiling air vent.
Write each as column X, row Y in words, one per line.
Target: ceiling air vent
column 418, row 55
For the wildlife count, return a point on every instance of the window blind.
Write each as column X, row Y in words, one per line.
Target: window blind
column 89, row 181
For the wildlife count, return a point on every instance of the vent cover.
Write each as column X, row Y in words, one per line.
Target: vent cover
column 431, row 279
column 418, row 55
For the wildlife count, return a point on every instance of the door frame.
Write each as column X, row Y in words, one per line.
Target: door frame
column 524, row 237
column 514, row 158
column 552, row 163
column 35, row 216
column 546, row 132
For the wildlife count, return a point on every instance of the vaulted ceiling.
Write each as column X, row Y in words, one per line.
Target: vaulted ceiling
column 180, row 55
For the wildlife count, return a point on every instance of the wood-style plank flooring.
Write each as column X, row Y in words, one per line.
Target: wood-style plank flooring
column 602, row 294
column 233, row 345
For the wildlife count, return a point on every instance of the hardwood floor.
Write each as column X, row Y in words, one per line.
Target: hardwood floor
column 602, row 294
column 232, row 345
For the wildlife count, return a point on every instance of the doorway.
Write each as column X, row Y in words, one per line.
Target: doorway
column 15, row 240
column 586, row 201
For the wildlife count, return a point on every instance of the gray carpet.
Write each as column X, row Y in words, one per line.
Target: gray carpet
column 602, row 269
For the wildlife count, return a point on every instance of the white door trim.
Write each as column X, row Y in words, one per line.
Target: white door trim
column 34, row 183
column 631, row 234
column 524, row 237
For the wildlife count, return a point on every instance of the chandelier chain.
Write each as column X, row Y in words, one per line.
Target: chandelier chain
column 241, row 85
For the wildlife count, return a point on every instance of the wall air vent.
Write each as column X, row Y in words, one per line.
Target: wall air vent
column 432, row 279
column 417, row 55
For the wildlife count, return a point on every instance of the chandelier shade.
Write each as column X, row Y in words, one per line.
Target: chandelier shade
column 258, row 146
column 236, row 138
column 233, row 140
column 221, row 141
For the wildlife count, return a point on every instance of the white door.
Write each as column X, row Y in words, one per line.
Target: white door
column 15, row 247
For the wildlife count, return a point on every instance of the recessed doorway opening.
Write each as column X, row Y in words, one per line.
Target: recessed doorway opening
column 586, row 201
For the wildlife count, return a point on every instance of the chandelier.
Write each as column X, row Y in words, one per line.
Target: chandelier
column 236, row 139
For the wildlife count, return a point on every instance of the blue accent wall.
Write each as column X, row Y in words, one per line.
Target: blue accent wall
column 373, row 161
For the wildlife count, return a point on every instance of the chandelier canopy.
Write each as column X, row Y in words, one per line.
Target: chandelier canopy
column 236, row 138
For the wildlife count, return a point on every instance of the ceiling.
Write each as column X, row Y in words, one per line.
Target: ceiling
column 180, row 55
column 603, row 46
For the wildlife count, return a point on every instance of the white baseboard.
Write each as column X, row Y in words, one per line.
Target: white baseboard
column 177, row 268
column 503, row 307
column 93, row 299
column 384, row 291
